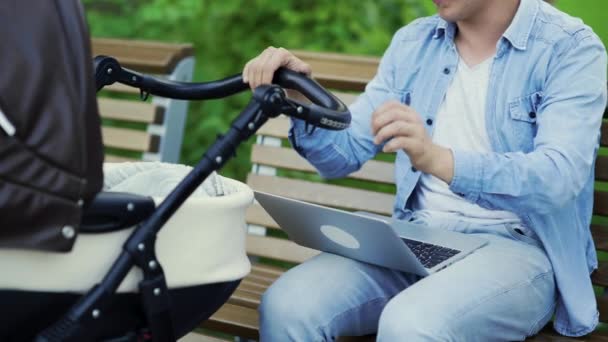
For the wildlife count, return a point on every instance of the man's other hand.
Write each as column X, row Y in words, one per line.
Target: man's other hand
column 402, row 129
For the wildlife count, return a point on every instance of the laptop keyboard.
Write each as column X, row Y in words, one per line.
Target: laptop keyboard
column 428, row 254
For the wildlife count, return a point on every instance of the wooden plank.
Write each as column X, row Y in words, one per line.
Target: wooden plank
column 324, row 194
column 340, row 71
column 347, row 98
column 257, row 215
column 277, row 127
column 252, row 286
column 279, row 249
column 121, row 88
column 194, row 337
column 600, row 203
column 600, row 276
column 246, row 299
column 368, row 338
column 601, row 168
column 127, row 110
column 549, row 335
column 604, row 137
column 602, row 307
column 129, row 139
column 287, row 158
column 235, row 320
column 144, row 56
column 118, row 159
column 267, row 271
column 600, row 237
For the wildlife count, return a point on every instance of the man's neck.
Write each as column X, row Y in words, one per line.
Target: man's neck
column 478, row 36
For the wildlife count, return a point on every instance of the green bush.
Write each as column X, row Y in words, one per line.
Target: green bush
column 227, row 33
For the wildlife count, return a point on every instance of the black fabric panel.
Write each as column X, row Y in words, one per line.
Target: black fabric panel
column 24, row 313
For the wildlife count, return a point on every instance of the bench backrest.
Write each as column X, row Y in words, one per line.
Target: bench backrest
column 133, row 129
column 280, row 170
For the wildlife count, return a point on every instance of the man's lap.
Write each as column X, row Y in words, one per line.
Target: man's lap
column 504, row 290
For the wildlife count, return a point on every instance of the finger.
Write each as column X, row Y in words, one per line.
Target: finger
column 388, row 115
column 259, row 77
column 379, row 115
column 245, row 73
column 251, row 71
column 296, row 64
column 396, row 144
column 395, row 129
column 279, row 58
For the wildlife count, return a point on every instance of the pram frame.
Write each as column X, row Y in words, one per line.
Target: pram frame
column 139, row 250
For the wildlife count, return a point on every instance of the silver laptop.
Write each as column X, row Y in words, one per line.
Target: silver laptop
column 368, row 237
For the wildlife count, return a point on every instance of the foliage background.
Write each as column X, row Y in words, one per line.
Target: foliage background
column 227, row 33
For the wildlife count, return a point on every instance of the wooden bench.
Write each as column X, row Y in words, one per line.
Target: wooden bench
column 278, row 169
column 137, row 130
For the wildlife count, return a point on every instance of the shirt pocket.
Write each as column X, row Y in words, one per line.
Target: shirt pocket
column 524, row 109
column 521, row 126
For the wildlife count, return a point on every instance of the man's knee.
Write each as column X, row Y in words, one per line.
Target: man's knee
column 398, row 323
column 283, row 314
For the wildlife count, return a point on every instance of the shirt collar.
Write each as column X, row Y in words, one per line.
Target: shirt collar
column 518, row 32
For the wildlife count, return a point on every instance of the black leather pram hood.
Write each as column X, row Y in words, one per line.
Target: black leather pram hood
column 52, row 164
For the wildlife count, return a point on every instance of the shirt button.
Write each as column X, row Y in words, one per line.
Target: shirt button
column 429, row 121
column 532, row 115
column 414, row 169
column 446, row 71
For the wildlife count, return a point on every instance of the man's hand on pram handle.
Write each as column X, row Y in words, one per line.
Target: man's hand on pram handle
column 325, row 111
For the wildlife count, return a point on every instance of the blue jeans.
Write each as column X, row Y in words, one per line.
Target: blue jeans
column 504, row 291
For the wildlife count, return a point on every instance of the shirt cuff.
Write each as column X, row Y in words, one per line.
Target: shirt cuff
column 468, row 173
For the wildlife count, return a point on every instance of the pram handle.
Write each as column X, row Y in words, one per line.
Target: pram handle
column 325, row 111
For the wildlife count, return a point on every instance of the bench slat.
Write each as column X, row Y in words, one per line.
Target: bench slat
column 600, row 237
column 194, row 337
column 237, row 320
column 600, row 203
column 118, row 159
column 601, row 168
column 341, row 197
column 604, row 137
column 279, row 249
column 121, row 88
column 129, row 139
column 287, row 158
column 602, row 307
column 600, row 276
column 277, row 127
column 345, row 72
column 245, row 299
column 130, row 111
column 144, row 56
column 252, row 287
column 257, row 215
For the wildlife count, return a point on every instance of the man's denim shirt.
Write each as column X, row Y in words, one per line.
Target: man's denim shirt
column 545, row 103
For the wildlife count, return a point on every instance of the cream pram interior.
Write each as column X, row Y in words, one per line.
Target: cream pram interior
column 203, row 243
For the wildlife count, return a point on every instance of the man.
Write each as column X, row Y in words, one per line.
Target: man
column 493, row 108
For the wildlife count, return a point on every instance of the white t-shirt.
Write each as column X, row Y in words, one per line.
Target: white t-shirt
column 460, row 124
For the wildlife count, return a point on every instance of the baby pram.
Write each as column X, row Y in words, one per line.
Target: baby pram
column 50, row 177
